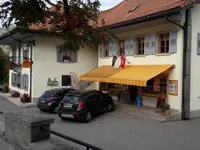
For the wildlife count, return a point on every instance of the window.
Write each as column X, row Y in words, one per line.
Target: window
column 26, row 54
column 164, row 43
column 66, row 80
column 25, row 82
column 106, row 50
column 14, row 54
column 16, row 80
column 140, row 46
column 67, row 56
column 121, row 47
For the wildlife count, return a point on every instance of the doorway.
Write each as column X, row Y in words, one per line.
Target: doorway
column 133, row 90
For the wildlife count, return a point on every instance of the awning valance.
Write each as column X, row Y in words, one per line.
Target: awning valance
column 137, row 75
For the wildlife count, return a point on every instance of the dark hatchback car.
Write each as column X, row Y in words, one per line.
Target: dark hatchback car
column 82, row 105
column 50, row 99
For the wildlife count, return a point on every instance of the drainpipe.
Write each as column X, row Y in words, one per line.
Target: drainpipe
column 186, row 70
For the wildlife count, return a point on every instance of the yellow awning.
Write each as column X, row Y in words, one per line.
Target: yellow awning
column 100, row 74
column 137, row 75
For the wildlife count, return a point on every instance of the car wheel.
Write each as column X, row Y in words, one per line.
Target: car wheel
column 110, row 107
column 42, row 109
column 88, row 117
column 61, row 117
column 56, row 110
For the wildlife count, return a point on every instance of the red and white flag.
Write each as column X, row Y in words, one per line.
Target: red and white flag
column 119, row 61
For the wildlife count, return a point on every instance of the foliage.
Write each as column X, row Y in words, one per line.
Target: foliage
column 4, row 59
column 76, row 20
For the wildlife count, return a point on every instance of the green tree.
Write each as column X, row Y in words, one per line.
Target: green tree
column 77, row 20
column 4, row 74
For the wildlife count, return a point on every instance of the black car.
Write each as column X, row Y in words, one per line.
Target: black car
column 50, row 99
column 82, row 105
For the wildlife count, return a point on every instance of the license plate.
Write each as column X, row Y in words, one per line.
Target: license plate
column 68, row 106
column 42, row 101
column 67, row 116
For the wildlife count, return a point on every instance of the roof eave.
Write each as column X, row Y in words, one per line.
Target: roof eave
column 32, row 31
column 146, row 18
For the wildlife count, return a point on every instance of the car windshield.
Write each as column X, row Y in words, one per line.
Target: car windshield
column 72, row 99
column 47, row 95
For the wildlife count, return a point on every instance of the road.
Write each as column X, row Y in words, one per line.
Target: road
column 119, row 131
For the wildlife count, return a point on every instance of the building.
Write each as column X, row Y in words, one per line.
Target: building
column 39, row 65
column 160, row 39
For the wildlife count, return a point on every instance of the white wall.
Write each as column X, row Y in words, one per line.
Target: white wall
column 45, row 64
column 195, row 61
column 176, row 59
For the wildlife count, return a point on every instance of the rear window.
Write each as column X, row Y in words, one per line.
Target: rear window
column 47, row 95
column 72, row 99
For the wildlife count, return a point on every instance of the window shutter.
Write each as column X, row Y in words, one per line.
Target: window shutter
column 22, row 81
column 131, row 46
column 27, row 82
column 147, row 44
column 100, row 50
column 110, row 48
column 173, row 42
column 74, row 56
column 157, row 45
column 115, row 47
column 198, row 44
column 153, row 44
column 59, row 54
column 127, row 48
column 13, row 79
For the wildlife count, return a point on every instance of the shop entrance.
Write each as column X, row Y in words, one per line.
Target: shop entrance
column 133, row 92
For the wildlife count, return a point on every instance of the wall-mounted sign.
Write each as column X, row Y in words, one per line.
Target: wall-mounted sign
column 173, row 87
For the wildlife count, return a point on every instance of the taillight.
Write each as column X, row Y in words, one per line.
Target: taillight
column 80, row 105
column 50, row 100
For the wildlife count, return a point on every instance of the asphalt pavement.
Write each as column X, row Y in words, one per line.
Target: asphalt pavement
column 120, row 131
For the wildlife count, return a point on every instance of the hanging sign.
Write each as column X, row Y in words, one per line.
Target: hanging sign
column 173, row 87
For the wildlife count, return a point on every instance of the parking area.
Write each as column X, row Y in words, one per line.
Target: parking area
column 119, row 130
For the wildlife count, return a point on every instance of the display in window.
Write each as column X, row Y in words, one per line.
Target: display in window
column 156, row 85
column 173, row 87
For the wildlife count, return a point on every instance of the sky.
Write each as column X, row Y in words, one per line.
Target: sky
column 106, row 4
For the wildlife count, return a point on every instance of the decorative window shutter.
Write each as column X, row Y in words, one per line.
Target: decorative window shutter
column 198, row 43
column 131, row 46
column 147, row 44
column 74, row 56
column 115, row 47
column 100, row 50
column 110, row 48
column 153, row 44
column 58, row 54
column 127, row 47
column 172, row 41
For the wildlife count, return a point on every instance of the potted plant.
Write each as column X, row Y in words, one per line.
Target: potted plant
column 5, row 89
column 165, row 111
column 66, row 58
column 25, row 98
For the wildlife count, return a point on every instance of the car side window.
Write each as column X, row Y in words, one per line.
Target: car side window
column 58, row 94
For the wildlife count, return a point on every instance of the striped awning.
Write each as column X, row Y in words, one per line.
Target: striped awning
column 137, row 75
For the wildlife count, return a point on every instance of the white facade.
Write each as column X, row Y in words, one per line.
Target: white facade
column 195, row 61
column 175, row 59
column 45, row 66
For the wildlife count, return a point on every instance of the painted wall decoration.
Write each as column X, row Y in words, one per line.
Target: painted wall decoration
column 173, row 87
